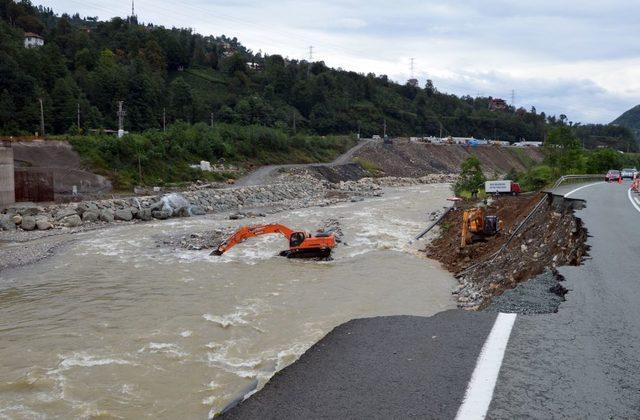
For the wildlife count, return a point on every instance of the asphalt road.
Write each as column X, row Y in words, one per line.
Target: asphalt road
column 582, row 362
column 386, row 367
column 264, row 174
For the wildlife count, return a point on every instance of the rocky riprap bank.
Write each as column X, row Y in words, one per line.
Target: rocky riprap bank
column 291, row 191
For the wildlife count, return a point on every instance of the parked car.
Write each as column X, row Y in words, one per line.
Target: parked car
column 629, row 173
column 613, row 176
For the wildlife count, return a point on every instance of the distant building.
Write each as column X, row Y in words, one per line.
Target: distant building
column 498, row 104
column 32, row 40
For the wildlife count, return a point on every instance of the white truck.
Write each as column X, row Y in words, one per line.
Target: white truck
column 502, row 187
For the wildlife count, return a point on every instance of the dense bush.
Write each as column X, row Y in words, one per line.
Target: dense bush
column 155, row 157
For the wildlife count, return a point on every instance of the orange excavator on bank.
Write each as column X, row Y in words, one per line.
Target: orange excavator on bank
column 476, row 225
column 301, row 244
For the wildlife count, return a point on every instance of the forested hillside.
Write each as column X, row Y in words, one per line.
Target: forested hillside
column 186, row 76
column 630, row 120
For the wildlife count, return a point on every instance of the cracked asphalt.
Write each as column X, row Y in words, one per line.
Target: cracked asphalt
column 584, row 361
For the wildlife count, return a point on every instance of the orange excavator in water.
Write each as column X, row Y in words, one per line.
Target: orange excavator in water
column 301, row 244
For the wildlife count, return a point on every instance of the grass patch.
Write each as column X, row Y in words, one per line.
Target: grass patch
column 371, row 168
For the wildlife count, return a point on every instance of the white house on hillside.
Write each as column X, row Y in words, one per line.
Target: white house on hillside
column 32, row 40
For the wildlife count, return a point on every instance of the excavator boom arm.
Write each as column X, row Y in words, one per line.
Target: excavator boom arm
column 246, row 232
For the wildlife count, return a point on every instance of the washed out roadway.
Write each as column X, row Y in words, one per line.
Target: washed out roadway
column 582, row 362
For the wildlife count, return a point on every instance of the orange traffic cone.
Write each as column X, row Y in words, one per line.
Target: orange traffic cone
column 619, row 180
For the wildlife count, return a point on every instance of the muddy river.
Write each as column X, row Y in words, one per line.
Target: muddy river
column 115, row 326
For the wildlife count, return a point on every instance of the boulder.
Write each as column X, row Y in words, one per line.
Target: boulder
column 90, row 216
column 123, row 214
column 106, row 215
column 144, row 214
column 28, row 223
column 197, row 211
column 64, row 213
column 6, row 222
column 161, row 214
column 43, row 224
column 182, row 212
column 156, row 206
column 173, row 203
column 71, row 221
column 87, row 206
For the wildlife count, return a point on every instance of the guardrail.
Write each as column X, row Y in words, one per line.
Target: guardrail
column 560, row 181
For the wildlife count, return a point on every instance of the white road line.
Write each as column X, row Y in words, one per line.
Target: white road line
column 485, row 375
column 579, row 188
column 632, row 199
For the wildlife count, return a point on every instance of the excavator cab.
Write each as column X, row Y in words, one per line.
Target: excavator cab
column 296, row 239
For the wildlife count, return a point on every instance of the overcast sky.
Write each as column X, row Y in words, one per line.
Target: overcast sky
column 580, row 58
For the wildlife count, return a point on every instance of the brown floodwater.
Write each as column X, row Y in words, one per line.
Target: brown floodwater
column 115, row 326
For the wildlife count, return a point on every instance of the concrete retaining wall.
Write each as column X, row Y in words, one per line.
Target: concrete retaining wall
column 7, row 185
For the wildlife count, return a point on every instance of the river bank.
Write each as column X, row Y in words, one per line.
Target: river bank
column 40, row 229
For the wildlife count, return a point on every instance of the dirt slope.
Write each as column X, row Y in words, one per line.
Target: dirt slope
column 58, row 158
column 407, row 159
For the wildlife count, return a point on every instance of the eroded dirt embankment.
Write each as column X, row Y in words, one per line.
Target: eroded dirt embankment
column 407, row 159
column 552, row 237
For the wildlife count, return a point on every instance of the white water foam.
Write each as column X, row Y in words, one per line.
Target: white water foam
column 170, row 349
column 83, row 359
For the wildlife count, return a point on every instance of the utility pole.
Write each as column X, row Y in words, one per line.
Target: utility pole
column 384, row 128
column 41, row 117
column 294, row 122
column 212, row 120
column 513, row 98
column 78, row 115
column 164, row 120
column 358, row 130
column 310, row 61
column 121, row 114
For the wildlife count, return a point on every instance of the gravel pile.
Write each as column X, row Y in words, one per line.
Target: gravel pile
column 541, row 295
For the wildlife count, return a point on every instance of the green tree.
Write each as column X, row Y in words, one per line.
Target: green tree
column 601, row 160
column 181, row 100
column 471, row 177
